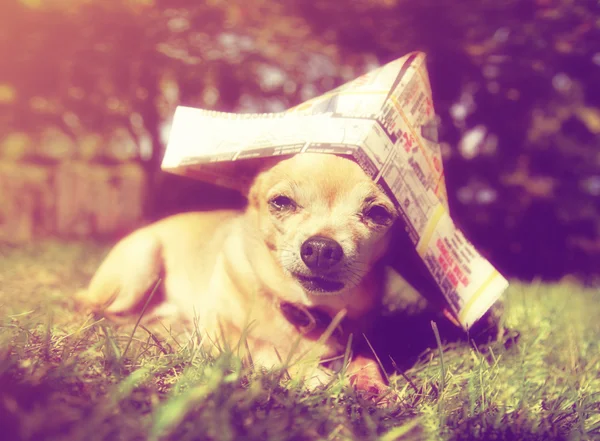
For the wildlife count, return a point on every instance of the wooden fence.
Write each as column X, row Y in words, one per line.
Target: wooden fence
column 51, row 185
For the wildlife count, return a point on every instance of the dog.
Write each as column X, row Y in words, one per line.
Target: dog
column 295, row 272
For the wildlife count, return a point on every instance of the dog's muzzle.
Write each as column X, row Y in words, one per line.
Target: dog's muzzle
column 322, row 256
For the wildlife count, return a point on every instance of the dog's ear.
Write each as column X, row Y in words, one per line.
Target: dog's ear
column 251, row 172
column 254, row 190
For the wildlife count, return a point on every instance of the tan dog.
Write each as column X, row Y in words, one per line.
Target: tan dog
column 306, row 249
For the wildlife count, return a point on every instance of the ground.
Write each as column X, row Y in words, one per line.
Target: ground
column 68, row 376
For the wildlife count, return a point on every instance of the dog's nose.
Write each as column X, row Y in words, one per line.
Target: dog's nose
column 321, row 253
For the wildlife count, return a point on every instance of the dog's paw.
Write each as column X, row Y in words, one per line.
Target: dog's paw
column 367, row 380
column 367, row 385
column 371, row 389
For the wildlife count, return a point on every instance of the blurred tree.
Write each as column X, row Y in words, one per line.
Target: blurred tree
column 515, row 84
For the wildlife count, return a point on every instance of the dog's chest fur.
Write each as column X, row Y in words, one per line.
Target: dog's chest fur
column 230, row 284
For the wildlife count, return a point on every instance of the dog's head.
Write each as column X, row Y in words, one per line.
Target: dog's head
column 323, row 219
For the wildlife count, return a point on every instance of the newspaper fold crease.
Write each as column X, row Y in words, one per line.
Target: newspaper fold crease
column 385, row 121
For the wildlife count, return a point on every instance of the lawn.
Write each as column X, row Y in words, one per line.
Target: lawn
column 67, row 376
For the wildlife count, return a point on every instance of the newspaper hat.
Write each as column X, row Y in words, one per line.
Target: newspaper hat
column 385, row 121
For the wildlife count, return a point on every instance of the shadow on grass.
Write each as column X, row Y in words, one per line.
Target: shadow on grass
column 41, row 408
column 400, row 340
column 57, row 406
column 520, row 426
column 61, row 406
column 54, row 407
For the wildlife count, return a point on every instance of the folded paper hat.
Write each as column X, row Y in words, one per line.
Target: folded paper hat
column 385, row 121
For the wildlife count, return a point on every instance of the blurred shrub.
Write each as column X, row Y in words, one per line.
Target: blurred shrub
column 515, row 84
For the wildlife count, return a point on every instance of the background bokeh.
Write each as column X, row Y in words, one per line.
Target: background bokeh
column 87, row 89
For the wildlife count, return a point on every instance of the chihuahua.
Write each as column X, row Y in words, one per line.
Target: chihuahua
column 295, row 272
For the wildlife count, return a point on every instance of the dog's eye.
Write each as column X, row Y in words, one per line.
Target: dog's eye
column 281, row 203
column 378, row 214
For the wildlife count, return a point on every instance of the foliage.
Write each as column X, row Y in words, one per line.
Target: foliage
column 514, row 84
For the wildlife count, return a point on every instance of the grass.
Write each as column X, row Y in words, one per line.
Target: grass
column 66, row 376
